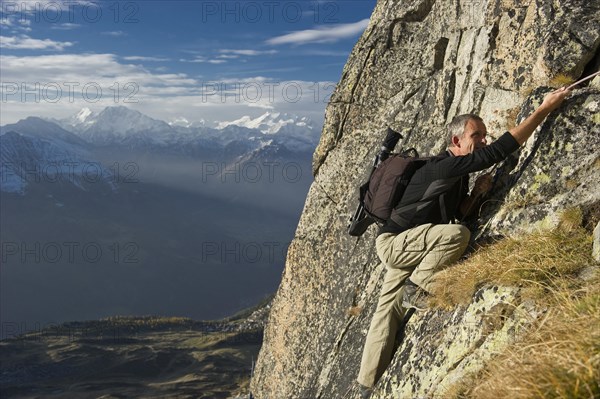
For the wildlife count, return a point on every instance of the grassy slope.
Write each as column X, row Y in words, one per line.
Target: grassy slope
column 560, row 356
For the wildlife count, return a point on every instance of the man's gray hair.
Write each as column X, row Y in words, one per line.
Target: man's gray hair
column 457, row 126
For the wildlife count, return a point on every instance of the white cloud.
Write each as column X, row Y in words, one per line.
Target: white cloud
column 197, row 59
column 66, row 26
column 115, row 33
column 17, row 14
column 161, row 95
column 326, row 34
column 142, row 58
column 226, row 54
column 101, row 69
column 25, row 42
column 14, row 24
column 247, row 52
column 203, row 60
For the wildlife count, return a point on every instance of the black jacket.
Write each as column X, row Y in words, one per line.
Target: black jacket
column 437, row 189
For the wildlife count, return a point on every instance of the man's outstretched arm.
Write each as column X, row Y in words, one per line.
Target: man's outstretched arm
column 520, row 133
column 526, row 128
column 487, row 156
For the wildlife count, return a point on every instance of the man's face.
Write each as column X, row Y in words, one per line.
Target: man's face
column 473, row 138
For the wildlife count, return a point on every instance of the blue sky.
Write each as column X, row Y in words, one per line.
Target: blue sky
column 197, row 60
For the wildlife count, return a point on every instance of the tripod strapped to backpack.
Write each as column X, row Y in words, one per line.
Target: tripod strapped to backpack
column 362, row 219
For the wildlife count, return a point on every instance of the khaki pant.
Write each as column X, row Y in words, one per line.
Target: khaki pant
column 417, row 253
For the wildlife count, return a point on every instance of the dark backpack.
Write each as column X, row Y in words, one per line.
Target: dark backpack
column 387, row 185
column 384, row 189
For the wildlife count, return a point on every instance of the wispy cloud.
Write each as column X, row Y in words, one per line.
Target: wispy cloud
column 226, row 54
column 66, row 26
column 115, row 33
column 247, row 52
column 14, row 24
column 18, row 14
column 25, row 42
column 142, row 58
column 6, row 22
column 326, row 34
column 103, row 69
column 203, row 60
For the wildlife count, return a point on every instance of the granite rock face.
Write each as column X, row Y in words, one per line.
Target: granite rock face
column 457, row 343
column 418, row 64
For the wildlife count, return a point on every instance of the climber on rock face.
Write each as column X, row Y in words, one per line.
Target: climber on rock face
column 419, row 239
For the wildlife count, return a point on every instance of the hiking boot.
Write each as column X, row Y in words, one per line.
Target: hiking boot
column 414, row 297
column 365, row 392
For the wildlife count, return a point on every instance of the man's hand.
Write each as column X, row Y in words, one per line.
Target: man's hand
column 554, row 99
column 482, row 186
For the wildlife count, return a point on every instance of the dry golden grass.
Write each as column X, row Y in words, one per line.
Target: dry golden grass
column 571, row 184
column 561, row 80
column 525, row 91
column 558, row 81
column 521, row 202
column 533, row 261
column 559, row 357
column 354, row 311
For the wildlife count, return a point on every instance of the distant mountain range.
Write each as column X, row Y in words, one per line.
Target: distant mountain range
column 40, row 144
column 205, row 211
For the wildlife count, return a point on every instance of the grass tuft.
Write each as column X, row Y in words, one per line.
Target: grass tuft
column 561, row 80
column 354, row 311
column 530, row 261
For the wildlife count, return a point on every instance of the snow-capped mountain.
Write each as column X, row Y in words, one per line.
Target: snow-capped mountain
column 268, row 152
column 123, row 126
column 88, row 135
column 119, row 125
column 44, row 129
column 36, row 150
column 183, row 122
column 297, row 134
column 27, row 158
column 272, row 123
column 78, row 122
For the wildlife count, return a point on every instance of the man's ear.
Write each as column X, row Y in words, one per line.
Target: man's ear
column 455, row 141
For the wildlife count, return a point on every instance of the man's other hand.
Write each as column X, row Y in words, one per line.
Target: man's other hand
column 482, row 186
